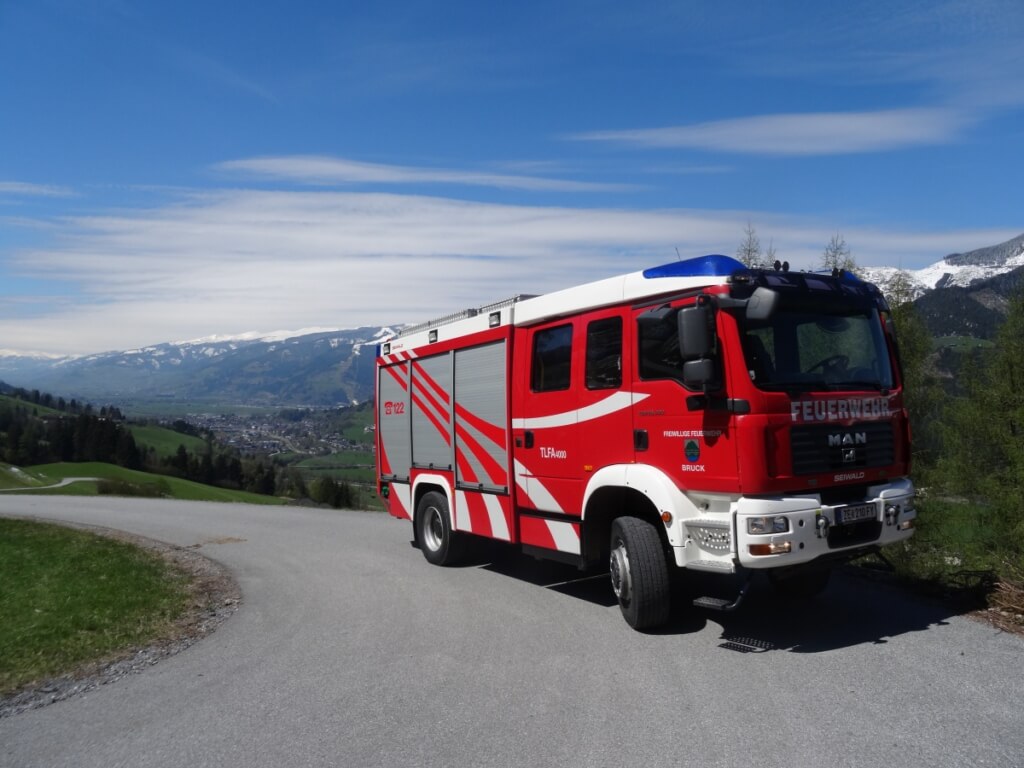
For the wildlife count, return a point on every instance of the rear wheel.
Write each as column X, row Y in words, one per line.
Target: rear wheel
column 639, row 573
column 438, row 542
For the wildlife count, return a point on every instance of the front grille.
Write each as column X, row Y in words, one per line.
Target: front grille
column 821, row 448
column 859, row 533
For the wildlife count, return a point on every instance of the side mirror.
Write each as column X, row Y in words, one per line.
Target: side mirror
column 696, row 332
column 762, row 304
column 700, row 374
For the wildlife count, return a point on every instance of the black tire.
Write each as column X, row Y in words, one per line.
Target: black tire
column 434, row 534
column 639, row 573
column 800, row 583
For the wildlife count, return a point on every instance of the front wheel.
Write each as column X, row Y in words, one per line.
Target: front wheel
column 438, row 542
column 639, row 573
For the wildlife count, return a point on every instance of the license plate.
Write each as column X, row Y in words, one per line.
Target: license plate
column 855, row 513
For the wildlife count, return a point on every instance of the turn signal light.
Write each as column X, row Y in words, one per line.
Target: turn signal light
column 906, row 525
column 774, row 548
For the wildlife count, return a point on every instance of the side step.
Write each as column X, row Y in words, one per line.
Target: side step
column 721, row 604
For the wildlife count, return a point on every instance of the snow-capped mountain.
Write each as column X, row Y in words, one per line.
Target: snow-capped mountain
column 311, row 367
column 958, row 270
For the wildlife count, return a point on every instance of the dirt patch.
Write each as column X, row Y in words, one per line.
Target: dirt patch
column 217, row 540
column 213, row 596
column 1006, row 607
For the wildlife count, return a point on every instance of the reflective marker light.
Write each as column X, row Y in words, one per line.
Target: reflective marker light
column 763, row 525
column 775, row 548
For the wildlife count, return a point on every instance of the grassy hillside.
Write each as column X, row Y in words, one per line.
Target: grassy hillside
column 119, row 481
column 41, row 410
column 347, row 466
column 13, row 477
column 165, row 441
column 962, row 343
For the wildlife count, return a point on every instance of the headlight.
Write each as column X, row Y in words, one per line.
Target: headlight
column 761, row 525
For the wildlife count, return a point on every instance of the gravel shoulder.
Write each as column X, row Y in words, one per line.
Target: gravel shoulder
column 214, row 596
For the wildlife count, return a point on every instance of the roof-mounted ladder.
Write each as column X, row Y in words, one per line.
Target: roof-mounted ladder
column 464, row 314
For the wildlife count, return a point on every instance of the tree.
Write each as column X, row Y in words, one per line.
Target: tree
column 923, row 394
column 327, row 490
column 984, row 442
column 837, row 255
column 749, row 251
column 899, row 290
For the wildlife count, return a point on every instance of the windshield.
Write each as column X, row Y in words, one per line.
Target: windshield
column 806, row 351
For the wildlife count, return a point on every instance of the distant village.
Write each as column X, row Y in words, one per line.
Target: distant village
column 272, row 434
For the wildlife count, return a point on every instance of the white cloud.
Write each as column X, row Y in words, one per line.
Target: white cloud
column 235, row 261
column 822, row 133
column 314, row 169
column 25, row 189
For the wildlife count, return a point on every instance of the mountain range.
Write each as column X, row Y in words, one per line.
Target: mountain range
column 958, row 270
column 325, row 368
column 964, row 294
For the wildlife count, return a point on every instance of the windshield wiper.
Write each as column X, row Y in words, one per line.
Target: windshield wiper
column 872, row 384
column 792, row 386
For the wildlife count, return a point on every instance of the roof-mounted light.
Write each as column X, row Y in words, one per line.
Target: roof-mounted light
column 713, row 265
column 845, row 276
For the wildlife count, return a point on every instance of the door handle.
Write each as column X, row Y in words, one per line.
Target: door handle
column 640, row 442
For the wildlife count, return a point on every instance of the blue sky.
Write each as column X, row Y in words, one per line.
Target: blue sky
column 171, row 171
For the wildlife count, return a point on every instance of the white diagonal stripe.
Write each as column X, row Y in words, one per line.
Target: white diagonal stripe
column 610, row 404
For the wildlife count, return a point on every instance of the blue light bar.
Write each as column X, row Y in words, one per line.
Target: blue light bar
column 714, row 265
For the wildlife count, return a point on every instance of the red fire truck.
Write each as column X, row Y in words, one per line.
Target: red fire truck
column 698, row 415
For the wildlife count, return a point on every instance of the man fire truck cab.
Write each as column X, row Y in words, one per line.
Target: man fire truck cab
column 699, row 415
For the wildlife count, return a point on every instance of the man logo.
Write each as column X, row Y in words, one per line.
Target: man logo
column 849, row 455
column 844, row 439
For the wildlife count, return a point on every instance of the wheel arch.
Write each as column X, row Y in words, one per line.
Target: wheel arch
column 424, row 484
column 625, row 490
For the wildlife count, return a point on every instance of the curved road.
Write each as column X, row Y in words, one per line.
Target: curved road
column 350, row 650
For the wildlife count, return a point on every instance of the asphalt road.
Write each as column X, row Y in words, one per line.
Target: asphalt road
column 350, row 650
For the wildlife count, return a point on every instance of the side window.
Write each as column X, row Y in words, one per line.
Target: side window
column 552, row 359
column 659, row 348
column 604, row 354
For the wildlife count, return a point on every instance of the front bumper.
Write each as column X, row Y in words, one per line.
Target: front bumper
column 812, row 530
column 817, row 530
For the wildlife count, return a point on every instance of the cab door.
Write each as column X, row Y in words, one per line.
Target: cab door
column 544, row 418
column 688, row 435
column 575, row 412
column 606, row 400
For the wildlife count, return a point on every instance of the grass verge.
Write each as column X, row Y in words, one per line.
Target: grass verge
column 72, row 597
column 968, row 552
